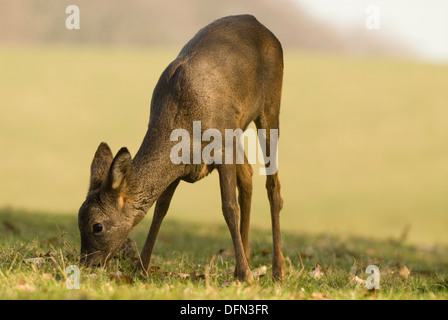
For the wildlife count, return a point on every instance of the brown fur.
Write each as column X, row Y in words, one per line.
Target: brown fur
column 228, row 75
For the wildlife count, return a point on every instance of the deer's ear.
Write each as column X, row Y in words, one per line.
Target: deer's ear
column 100, row 166
column 120, row 171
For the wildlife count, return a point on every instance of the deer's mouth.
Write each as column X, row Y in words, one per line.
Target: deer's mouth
column 92, row 259
column 97, row 258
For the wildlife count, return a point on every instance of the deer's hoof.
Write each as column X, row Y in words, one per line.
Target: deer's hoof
column 249, row 278
column 278, row 269
column 244, row 276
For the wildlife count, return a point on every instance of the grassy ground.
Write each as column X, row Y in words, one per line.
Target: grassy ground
column 363, row 160
column 192, row 261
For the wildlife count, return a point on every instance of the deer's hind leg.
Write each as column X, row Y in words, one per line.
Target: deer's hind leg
column 268, row 120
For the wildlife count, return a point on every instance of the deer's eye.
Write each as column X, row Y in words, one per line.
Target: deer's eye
column 97, row 228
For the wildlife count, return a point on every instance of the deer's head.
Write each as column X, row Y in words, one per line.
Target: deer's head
column 107, row 215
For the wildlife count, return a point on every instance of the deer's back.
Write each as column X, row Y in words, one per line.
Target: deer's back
column 222, row 76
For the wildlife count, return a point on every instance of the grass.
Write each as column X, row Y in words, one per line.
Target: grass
column 194, row 262
column 363, row 156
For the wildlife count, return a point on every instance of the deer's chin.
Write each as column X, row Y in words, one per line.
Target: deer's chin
column 95, row 259
column 98, row 258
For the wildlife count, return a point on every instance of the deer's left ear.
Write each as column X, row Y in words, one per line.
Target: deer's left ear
column 120, row 173
column 100, row 165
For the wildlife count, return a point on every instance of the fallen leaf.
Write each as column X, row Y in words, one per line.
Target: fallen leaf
column 154, row 269
column 317, row 273
column 355, row 279
column 260, row 271
column 195, row 276
column 404, row 272
column 22, row 285
column 184, row 275
column 320, row 296
column 36, row 261
column 120, row 278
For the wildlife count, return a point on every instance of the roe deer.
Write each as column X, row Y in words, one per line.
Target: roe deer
column 228, row 75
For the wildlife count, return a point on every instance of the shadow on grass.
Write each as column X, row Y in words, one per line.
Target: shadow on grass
column 197, row 243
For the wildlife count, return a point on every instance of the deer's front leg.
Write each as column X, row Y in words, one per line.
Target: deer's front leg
column 227, row 181
column 160, row 211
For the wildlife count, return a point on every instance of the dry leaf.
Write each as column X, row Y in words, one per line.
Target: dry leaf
column 22, row 285
column 404, row 272
column 320, row 296
column 184, row 275
column 120, row 278
column 260, row 271
column 195, row 276
column 154, row 269
column 355, row 279
column 352, row 277
column 35, row 261
column 317, row 273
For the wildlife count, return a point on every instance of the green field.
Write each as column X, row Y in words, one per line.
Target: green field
column 363, row 163
column 194, row 261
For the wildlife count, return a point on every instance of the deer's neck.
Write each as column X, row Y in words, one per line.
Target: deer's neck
column 153, row 172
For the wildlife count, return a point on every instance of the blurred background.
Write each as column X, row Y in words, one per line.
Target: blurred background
column 364, row 118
